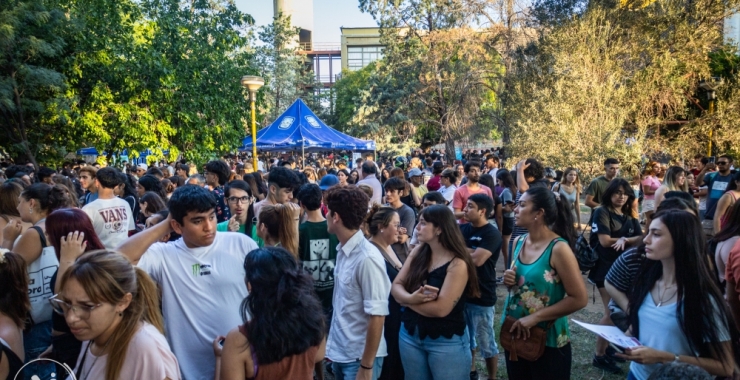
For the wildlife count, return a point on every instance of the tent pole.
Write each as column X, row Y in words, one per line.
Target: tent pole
column 303, row 153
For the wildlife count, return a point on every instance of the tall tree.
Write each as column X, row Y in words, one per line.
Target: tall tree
column 34, row 99
column 286, row 72
column 438, row 75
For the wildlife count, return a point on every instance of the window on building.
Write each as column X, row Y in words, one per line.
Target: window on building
column 360, row 56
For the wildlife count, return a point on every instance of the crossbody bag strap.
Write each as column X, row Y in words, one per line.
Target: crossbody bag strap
column 519, row 243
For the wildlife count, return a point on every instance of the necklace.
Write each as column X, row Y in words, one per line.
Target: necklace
column 82, row 364
column 661, row 300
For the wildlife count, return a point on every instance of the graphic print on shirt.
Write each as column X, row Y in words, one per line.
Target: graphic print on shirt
column 115, row 219
column 320, row 267
column 201, row 269
column 39, row 284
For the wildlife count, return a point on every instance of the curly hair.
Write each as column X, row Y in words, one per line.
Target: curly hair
column 350, row 203
column 535, row 169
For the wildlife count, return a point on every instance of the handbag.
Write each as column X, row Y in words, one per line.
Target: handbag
column 585, row 255
column 530, row 349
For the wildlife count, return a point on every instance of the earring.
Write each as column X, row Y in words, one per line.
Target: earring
column 120, row 314
column 381, row 231
column 30, row 210
column 535, row 218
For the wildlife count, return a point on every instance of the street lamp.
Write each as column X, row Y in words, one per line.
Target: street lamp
column 710, row 87
column 253, row 83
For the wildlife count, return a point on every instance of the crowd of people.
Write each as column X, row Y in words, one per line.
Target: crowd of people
column 387, row 270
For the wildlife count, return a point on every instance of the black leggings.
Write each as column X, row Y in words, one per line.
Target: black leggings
column 554, row 364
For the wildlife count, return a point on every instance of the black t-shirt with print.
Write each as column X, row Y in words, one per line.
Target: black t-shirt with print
column 488, row 238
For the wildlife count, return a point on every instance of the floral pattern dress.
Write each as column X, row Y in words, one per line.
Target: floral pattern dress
column 538, row 286
column 222, row 209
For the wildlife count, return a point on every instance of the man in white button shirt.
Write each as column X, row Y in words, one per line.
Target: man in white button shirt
column 361, row 288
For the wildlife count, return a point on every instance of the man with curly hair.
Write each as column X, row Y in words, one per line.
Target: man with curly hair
column 356, row 345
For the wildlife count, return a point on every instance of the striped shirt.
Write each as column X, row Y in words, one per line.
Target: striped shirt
column 623, row 272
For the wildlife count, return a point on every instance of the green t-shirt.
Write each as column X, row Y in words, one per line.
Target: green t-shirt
column 597, row 187
column 224, row 227
column 317, row 250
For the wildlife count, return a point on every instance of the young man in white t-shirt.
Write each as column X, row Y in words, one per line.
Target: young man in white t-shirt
column 201, row 276
column 111, row 216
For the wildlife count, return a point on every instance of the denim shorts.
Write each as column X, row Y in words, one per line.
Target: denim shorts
column 480, row 324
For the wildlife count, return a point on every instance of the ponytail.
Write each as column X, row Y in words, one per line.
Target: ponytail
column 278, row 220
column 563, row 225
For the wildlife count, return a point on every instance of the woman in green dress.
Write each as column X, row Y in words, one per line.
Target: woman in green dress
column 544, row 270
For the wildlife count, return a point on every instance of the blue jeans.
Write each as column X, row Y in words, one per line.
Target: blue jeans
column 480, row 326
column 631, row 376
column 348, row 371
column 36, row 340
column 441, row 358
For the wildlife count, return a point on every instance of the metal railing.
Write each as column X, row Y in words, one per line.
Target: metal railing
column 320, row 46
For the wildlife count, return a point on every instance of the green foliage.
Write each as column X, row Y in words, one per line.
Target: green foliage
column 348, row 92
column 34, row 98
column 286, row 73
column 124, row 74
column 436, row 81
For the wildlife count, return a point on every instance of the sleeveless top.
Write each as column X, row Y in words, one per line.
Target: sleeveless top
column 538, row 286
column 14, row 362
column 39, row 277
column 298, row 367
column 452, row 324
column 571, row 197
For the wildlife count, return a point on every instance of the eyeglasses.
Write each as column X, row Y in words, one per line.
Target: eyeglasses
column 237, row 200
column 81, row 311
column 722, row 162
column 621, row 194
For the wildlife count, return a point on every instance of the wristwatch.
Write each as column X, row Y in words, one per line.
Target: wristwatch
column 675, row 358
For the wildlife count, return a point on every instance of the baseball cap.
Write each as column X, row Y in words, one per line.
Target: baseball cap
column 142, row 167
column 415, row 172
column 328, row 181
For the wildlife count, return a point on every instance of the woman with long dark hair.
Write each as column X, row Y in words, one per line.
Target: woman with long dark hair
column 283, row 334
column 433, row 283
column 545, row 284
column 127, row 191
column 113, row 307
column 677, row 311
column 14, row 309
column 151, row 203
column 71, row 233
column 614, row 228
column 255, row 180
column 149, row 182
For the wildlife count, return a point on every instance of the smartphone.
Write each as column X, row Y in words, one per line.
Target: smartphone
column 509, row 202
column 711, row 159
column 428, row 290
column 221, row 342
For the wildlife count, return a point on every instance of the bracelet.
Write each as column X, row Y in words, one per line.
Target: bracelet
column 676, row 358
column 362, row 366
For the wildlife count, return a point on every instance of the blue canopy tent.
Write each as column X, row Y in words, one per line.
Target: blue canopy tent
column 299, row 128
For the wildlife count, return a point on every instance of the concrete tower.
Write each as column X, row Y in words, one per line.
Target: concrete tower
column 301, row 15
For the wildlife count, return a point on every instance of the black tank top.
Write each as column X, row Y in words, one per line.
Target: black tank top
column 452, row 324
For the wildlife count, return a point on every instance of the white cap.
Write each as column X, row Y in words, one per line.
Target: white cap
column 142, row 166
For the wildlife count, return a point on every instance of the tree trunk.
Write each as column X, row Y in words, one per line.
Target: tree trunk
column 450, row 149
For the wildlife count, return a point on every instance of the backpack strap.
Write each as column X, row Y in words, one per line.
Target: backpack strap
column 42, row 236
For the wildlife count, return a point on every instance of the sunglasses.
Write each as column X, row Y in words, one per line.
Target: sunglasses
column 722, row 162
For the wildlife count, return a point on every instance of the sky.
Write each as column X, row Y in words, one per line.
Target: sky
column 329, row 16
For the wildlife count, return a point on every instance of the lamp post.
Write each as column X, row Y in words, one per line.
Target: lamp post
column 710, row 87
column 253, row 83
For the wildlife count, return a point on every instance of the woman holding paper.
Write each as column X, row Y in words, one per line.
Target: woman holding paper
column 681, row 314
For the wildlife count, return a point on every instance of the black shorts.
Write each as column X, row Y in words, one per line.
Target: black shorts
column 597, row 274
column 508, row 226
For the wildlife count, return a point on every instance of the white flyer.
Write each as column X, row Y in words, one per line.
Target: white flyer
column 611, row 333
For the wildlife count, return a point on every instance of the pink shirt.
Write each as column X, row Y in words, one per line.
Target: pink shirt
column 653, row 184
column 463, row 193
column 148, row 356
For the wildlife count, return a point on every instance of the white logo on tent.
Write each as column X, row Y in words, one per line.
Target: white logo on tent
column 312, row 121
column 286, row 122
